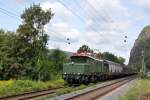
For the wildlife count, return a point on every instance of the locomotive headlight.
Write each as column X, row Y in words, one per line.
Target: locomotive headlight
column 65, row 73
column 72, row 63
column 78, row 73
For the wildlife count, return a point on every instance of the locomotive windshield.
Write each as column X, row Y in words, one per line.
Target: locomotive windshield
column 79, row 59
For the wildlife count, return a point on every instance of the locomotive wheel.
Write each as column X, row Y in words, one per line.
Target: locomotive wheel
column 96, row 79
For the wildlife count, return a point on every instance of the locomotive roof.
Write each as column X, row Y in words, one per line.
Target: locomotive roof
column 86, row 56
column 96, row 59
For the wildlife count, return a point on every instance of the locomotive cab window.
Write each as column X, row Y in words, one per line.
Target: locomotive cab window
column 78, row 59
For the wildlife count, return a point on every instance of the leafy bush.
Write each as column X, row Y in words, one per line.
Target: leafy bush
column 147, row 61
column 12, row 87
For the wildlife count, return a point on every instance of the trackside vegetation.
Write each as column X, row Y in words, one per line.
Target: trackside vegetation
column 142, row 86
column 12, row 87
column 23, row 54
column 25, row 62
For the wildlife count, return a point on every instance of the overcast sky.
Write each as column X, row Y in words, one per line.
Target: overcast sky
column 100, row 24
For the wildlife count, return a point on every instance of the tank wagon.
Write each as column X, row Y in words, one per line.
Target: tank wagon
column 85, row 69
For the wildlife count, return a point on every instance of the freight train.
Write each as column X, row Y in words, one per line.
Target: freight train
column 84, row 68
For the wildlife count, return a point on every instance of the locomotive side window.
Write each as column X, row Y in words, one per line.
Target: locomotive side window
column 90, row 61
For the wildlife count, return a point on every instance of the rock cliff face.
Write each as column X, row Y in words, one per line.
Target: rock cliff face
column 141, row 43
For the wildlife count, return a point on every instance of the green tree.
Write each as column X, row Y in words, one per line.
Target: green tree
column 32, row 39
column 112, row 57
column 109, row 56
column 8, row 64
column 57, row 57
column 84, row 48
column 121, row 60
column 23, row 55
column 147, row 62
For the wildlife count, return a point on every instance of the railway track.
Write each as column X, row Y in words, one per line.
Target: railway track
column 98, row 92
column 30, row 95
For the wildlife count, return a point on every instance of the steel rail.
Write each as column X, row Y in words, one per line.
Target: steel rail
column 30, row 95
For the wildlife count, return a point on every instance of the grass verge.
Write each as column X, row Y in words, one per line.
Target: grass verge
column 141, row 86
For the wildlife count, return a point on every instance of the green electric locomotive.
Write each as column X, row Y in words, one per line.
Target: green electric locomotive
column 84, row 68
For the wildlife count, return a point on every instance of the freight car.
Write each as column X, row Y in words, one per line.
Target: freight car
column 85, row 69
